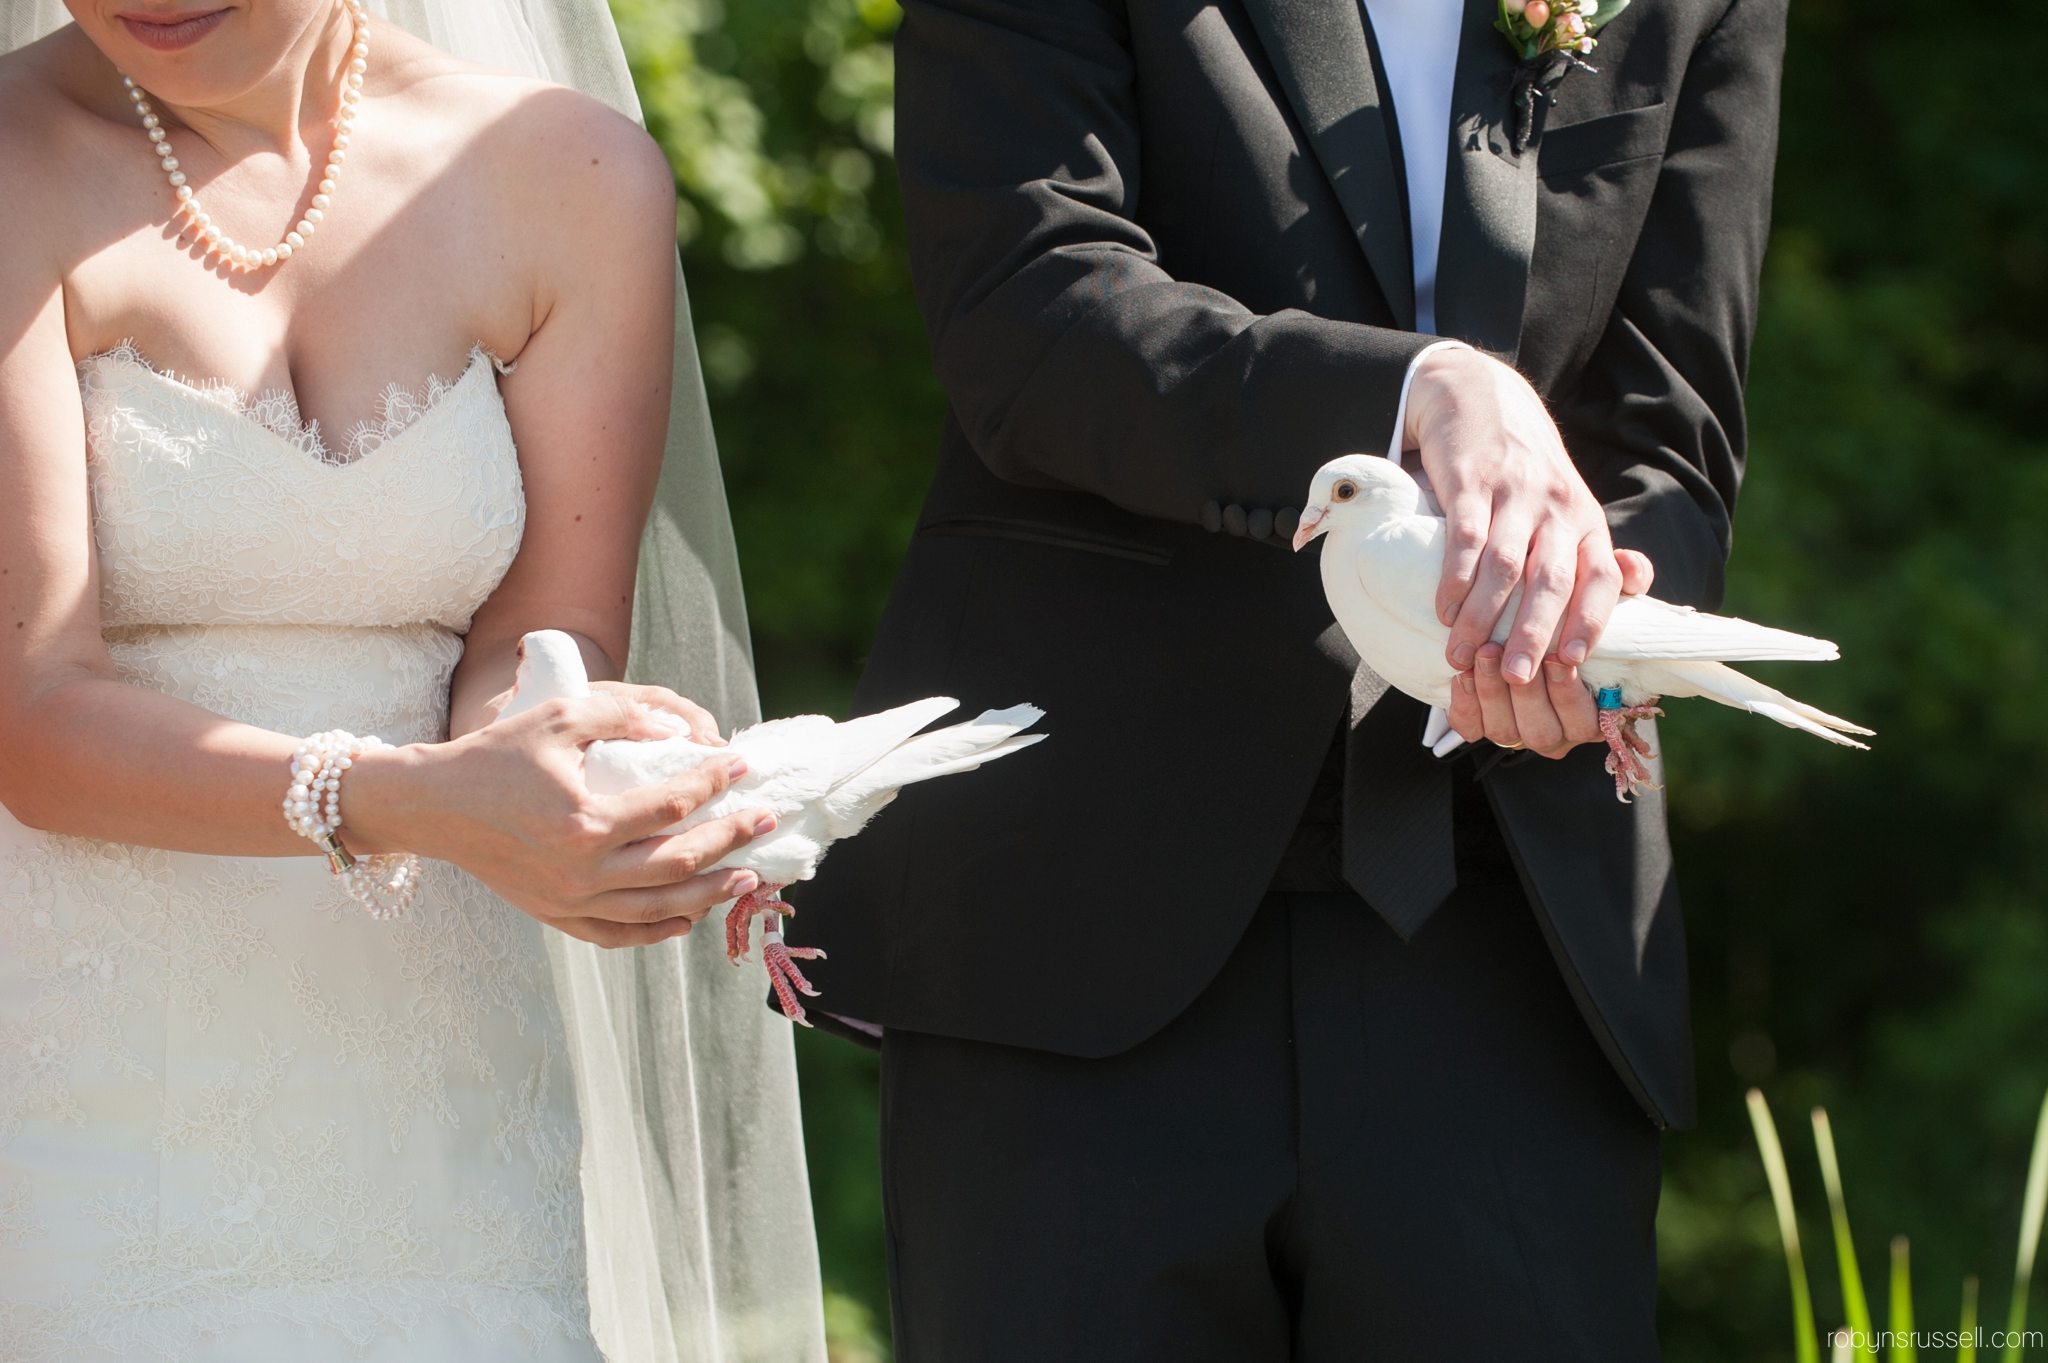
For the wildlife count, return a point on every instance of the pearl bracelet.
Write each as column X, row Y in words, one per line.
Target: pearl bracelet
column 384, row 884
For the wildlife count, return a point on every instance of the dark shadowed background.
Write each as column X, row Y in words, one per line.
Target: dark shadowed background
column 1867, row 928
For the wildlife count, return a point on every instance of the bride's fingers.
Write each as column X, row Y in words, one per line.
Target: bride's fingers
column 599, row 932
column 702, row 727
column 603, row 714
column 672, row 858
column 690, row 899
column 654, row 864
column 643, row 812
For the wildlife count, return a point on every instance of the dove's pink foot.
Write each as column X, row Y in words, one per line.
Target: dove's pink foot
column 739, row 919
column 782, row 971
column 1626, row 749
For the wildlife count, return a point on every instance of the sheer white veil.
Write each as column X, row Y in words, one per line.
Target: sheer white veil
column 696, row 1201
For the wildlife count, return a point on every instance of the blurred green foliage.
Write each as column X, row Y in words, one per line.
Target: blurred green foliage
column 1868, row 928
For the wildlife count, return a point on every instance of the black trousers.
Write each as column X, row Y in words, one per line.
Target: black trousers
column 1348, row 1148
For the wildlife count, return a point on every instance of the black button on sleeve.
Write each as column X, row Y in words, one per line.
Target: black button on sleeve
column 1212, row 517
column 1233, row 519
column 1259, row 524
column 1286, row 522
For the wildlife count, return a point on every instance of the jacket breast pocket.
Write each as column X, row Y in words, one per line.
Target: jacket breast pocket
column 1056, row 536
column 1611, row 139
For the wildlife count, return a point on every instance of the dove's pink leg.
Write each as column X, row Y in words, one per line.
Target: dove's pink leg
column 739, row 919
column 782, row 971
column 1626, row 749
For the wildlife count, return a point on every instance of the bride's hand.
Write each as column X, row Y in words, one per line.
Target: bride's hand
column 703, row 728
column 508, row 804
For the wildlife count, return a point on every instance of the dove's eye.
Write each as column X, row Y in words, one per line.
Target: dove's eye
column 1346, row 491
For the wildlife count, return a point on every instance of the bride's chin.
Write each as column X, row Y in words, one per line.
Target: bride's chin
column 200, row 53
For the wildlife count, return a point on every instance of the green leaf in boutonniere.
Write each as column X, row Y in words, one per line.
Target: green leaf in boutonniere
column 1550, row 39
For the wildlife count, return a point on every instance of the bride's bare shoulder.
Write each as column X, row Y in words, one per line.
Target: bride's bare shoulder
column 524, row 132
column 47, row 120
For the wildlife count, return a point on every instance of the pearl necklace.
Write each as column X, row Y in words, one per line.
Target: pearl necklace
column 230, row 252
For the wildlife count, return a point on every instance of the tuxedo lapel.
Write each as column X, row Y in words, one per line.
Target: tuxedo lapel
column 1482, row 272
column 1318, row 49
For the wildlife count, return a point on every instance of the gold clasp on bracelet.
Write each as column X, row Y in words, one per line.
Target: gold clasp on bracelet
column 337, row 855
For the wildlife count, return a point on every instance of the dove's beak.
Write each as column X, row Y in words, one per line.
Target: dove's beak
column 1310, row 526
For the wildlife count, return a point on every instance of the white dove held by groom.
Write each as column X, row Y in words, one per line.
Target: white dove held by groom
column 1383, row 558
column 822, row 780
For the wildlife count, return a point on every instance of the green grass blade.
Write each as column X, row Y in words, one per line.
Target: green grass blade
column 2030, row 1236
column 1966, row 1349
column 1854, row 1304
column 1901, row 1322
column 1805, row 1340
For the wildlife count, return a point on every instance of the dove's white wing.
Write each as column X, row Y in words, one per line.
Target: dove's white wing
column 1372, row 583
column 1399, row 564
column 806, row 746
column 1644, row 627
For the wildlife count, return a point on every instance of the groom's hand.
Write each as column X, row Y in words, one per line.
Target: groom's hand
column 1519, row 516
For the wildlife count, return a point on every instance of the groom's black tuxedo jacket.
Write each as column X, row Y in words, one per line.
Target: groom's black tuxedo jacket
column 1162, row 250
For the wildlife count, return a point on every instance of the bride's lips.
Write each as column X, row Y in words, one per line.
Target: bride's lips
column 169, row 32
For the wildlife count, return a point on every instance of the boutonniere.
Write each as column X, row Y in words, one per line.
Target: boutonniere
column 1550, row 38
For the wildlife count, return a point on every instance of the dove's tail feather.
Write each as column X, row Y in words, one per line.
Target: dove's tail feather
column 884, row 731
column 1730, row 687
column 957, row 747
column 942, row 752
column 928, row 765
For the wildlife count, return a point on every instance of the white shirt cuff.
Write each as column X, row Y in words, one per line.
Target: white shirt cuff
column 1396, row 443
column 1394, row 450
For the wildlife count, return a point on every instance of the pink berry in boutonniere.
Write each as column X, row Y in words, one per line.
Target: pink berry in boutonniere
column 1548, row 37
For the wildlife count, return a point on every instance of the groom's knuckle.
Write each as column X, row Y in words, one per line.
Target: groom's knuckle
column 1548, row 577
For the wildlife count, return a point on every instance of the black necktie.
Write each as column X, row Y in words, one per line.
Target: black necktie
column 1398, row 849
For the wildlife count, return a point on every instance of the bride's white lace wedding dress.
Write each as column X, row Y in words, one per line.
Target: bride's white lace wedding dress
column 239, row 1119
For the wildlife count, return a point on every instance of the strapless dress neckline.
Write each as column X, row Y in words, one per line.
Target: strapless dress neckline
column 275, row 411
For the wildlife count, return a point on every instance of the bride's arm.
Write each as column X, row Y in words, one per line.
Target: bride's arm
column 588, row 398
column 80, row 752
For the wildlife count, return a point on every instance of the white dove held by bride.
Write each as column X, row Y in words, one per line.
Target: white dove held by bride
column 822, row 780
column 1383, row 559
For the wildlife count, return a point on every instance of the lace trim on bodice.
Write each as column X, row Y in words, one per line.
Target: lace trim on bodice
column 277, row 409
column 207, row 511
